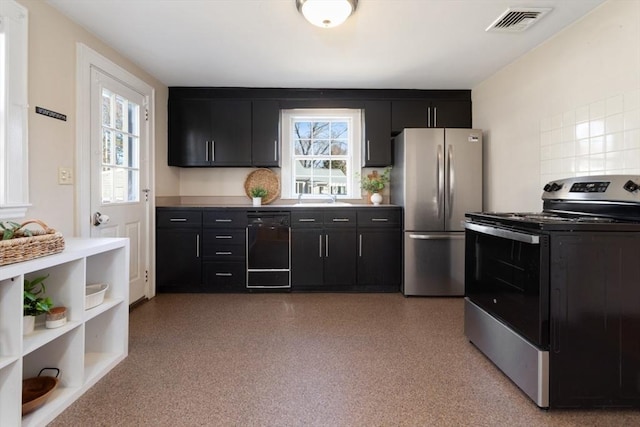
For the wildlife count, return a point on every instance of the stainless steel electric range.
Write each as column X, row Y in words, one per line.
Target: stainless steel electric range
column 553, row 298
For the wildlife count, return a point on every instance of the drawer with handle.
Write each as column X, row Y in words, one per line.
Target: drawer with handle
column 379, row 217
column 178, row 218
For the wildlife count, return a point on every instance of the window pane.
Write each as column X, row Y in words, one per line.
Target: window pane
column 302, row 130
column 119, row 113
column 132, row 119
column 134, row 186
column 339, row 130
column 107, row 147
column 106, row 107
column 302, row 147
column 339, row 148
column 133, row 151
column 321, row 130
column 107, row 185
column 120, row 153
column 321, row 147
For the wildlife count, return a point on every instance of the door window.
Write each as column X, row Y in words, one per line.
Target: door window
column 120, row 178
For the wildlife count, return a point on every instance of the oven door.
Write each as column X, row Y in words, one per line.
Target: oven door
column 507, row 274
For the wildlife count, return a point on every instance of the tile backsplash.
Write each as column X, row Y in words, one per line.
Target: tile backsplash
column 601, row 138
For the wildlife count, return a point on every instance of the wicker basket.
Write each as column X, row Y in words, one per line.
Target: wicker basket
column 41, row 242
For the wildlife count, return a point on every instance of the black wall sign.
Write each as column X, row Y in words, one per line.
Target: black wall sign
column 50, row 113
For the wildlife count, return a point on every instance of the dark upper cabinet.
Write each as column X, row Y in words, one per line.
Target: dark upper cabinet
column 209, row 132
column 377, row 134
column 426, row 113
column 265, row 138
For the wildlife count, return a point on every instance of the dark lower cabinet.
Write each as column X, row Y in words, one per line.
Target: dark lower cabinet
column 178, row 262
column 380, row 259
column 333, row 250
column 307, row 261
column 595, row 349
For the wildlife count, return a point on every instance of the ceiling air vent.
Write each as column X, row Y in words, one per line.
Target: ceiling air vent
column 517, row 19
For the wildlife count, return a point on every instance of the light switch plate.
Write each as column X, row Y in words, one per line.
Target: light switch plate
column 65, row 176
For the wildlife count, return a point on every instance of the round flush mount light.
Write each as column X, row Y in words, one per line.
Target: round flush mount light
column 326, row 13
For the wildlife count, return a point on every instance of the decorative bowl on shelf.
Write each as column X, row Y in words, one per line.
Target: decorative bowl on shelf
column 94, row 295
column 36, row 390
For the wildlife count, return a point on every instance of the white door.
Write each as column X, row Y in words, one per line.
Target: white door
column 119, row 172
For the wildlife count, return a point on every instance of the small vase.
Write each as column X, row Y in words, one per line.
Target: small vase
column 257, row 201
column 376, row 199
column 28, row 324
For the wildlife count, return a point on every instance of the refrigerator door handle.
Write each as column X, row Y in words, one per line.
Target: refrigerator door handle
column 436, row 236
column 440, row 186
column 451, row 179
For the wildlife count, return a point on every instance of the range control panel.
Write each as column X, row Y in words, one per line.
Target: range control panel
column 613, row 188
column 589, row 187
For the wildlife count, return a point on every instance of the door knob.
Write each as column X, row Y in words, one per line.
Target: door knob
column 99, row 218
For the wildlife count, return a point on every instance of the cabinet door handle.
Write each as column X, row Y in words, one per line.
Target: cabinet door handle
column 275, row 150
column 224, row 274
column 213, row 151
column 428, row 117
column 224, row 237
column 206, row 151
column 307, row 220
column 177, row 219
column 340, row 219
column 197, row 246
column 224, row 253
column 223, row 220
column 326, row 245
column 320, row 246
column 360, row 246
column 368, row 150
column 379, row 219
column 435, row 117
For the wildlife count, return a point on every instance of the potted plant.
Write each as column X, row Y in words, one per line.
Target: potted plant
column 374, row 183
column 35, row 302
column 257, row 193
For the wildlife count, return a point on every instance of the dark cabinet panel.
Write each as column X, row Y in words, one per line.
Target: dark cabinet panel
column 189, row 132
column 380, row 258
column 595, row 352
column 340, row 258
column 451, row 114
column 207, row 132
column 377, row 130
column 427, row 113
column 265, row 140
column 178, row 261
column 307, row 262
column 224, row 276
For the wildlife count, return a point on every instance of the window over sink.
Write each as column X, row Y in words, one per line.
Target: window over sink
column 321, row 153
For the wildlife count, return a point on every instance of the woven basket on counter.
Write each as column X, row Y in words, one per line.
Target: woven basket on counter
column 24, row 247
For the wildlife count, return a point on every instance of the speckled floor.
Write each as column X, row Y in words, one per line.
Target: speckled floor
column 310, row 360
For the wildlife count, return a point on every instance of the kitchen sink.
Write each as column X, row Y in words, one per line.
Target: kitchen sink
column 322, row 204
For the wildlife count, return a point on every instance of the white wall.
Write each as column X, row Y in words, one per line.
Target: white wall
column 52, row 85
column 570, row 107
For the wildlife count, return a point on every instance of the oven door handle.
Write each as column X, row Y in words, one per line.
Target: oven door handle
column 501, row 232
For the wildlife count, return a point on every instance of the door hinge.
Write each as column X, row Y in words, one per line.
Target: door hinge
column 146, row 115
column 146, row 275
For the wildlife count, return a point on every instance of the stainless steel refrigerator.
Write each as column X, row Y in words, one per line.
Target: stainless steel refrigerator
column 436, row 177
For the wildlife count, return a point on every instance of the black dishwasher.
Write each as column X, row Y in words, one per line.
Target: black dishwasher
column 268, row 250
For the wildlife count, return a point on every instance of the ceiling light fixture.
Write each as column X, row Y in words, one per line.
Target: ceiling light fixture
column 326, row 13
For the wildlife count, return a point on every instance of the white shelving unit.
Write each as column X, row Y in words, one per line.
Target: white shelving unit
column 86, row 348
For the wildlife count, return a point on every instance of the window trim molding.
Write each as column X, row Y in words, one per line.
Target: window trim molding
column 14, row 140
column 354, row 115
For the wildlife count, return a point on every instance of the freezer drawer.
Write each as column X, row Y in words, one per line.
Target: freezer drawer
column 433, row 264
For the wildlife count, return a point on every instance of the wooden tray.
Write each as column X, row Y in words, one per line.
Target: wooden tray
column 266, row 179
column 36, row 391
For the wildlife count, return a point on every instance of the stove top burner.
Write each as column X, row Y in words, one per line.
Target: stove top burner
column 552, row 221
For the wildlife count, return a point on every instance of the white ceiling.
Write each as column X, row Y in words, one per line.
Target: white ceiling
column 404, row 44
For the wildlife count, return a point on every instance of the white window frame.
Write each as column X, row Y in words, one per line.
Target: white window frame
column 14, row 110
column 287, row 117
